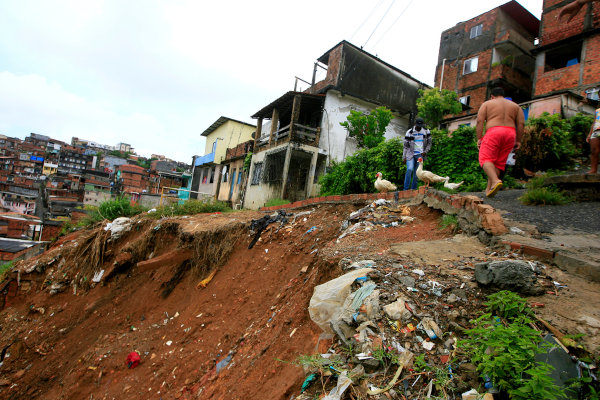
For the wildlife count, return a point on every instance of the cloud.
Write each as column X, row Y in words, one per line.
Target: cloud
column 156, row 73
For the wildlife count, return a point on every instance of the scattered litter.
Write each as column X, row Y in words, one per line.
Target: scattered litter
column 427, row 345
column 328, row 298
column 419, row 272
column 342, row 384
column 223, row 363
column 133, row 359
column 309, row 379
column 312, row 229
column 118, row 227
column 98, row 276
column 204, row 282
column 170, row 342
column 151, row 210
column 516, row 231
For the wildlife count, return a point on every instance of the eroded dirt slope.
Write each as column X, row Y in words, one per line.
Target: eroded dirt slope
column 73, row 344
column 237, row 337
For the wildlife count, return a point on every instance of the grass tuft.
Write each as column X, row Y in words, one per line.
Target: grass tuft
column 448, row 221
column 544, row 196
column 276, row 202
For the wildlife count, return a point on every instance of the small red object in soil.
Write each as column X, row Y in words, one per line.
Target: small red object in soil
column 133, row 359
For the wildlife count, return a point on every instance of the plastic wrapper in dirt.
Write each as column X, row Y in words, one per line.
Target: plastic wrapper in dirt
column 327, row 299
column 133, row 359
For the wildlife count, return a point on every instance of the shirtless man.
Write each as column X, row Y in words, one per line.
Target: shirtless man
column 504, row 123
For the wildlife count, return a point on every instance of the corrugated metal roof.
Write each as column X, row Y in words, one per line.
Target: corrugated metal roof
column 220, row 122
column 15, row 245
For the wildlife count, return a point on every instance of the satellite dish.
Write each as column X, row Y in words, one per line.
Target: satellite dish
column 253, row 136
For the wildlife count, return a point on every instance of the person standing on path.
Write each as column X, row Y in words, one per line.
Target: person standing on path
column 417, row 143
column 504, row 123
column 593, row 138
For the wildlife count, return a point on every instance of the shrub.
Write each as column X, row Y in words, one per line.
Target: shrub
column 546, row 143
column 433, row 104
column 368, row 129
column 356, row 174
column 119, row 207
column 456, row 155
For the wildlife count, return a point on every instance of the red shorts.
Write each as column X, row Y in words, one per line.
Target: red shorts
column 496, row 145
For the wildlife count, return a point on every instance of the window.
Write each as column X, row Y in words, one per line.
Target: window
column 465, row 100
column 476, row 31
column 239, row 177
column 212, row 175
column 562, row 57
column 257, row 173
column 470, row 65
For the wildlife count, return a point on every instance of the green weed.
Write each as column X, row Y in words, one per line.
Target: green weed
column 276, row 202
column 544, row 196
column 190, row 207
column 5, row 270
column 448, row 221
column 508, row 305
column 119, row 207
column 505, row 351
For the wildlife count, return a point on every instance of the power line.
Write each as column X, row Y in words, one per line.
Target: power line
column 377, row 26
column 366, row 19
column 394, row 23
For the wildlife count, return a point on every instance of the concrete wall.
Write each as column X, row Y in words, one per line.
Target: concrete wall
column 95, row 197
column 334, row 138
column 258, row 195
column 228, row 135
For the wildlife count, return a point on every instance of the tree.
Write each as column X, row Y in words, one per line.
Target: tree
column 434, row 104
column 368, row 129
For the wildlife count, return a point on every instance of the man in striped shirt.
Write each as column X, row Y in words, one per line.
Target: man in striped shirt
column 417, row 143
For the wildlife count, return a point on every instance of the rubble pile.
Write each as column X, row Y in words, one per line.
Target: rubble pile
column 394, row 329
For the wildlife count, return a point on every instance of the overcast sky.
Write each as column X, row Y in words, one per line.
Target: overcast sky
column 155, row 74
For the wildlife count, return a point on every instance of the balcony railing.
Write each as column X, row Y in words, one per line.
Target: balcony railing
column 302, row 133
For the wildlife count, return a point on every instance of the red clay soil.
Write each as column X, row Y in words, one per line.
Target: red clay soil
column 67, row 346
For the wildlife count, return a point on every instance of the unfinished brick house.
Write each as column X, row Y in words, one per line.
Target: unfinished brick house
column 299, row 134
column 568, row 55
column 492, row 49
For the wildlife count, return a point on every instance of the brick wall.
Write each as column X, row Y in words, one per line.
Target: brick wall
column 591, row 69
column 511, row 75
column 553, row 30
column 50, row 232
column 559, row 79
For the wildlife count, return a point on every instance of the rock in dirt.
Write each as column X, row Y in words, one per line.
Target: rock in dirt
column 514, row 275
column 407, row 281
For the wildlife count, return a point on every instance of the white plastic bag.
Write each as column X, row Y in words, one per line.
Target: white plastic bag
column 327, row 299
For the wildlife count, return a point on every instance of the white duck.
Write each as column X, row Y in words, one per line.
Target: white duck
column 384, row 186
column 427, row 176
column 452, row 186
